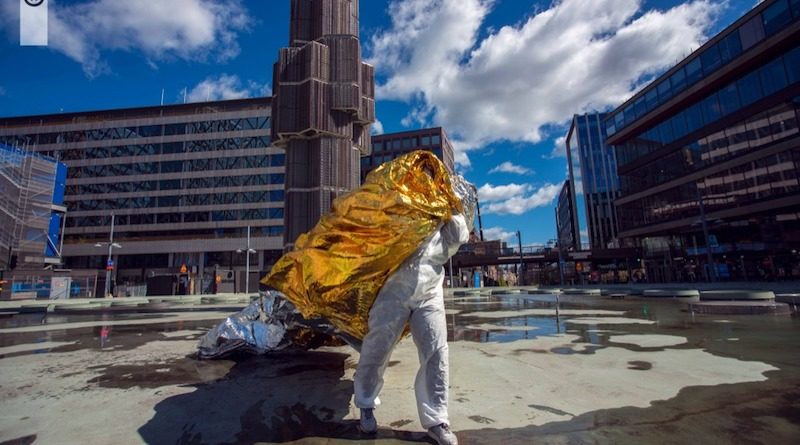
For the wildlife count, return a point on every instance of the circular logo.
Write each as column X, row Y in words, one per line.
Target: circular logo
column 34, row 3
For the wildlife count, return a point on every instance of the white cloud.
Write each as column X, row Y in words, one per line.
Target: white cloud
column 575, row 56
column 488, row 192
column 161, row 30
column 225, row 87
column 508, row 167
column 559, row 148
column 377, row 127
column 518, row 205
column 498, row 233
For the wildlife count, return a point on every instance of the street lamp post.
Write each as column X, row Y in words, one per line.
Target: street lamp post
column 109, row 261
column 247, row 262
column 521, row 261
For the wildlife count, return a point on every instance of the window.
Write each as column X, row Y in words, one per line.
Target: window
column 406, row 143
column 694, row 117
column 751, row 32
column 629, row 117
column 694, row 71
column 711, row 59
column 792, row 62
column 664, row 91
column 776, row 17
column 277, row 160
column 678, row 81
column 276, row 195
column 773, row 76
column 436, row 139
column 729, row 99
column 730, row 47
column 639, row 108
column 396, row 144
column 711, row 109
column 651, row 99
column 377, row 146
column 750, row 88
column 795, row 8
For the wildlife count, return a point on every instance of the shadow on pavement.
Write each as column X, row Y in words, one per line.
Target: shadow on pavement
column 278, row 398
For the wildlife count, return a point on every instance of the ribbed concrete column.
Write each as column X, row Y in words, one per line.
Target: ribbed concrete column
column 322, row 109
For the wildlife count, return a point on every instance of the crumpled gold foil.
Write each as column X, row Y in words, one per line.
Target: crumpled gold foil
column 337, row 269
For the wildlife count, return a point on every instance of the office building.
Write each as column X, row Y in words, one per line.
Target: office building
column 593, row 175
column 709, row 155
column 183, row 182
column 323, row 105
column 386, row 147
column 567, row 231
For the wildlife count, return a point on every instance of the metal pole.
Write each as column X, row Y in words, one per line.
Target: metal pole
column 451, row 273
column 521, row 261
column 247, row 270
column 108, row 263
column 712, row 275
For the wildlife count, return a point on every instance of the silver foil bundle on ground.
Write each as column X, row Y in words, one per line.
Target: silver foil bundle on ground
column 270, row 323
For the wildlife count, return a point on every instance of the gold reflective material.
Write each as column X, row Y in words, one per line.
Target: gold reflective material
column 336, row 270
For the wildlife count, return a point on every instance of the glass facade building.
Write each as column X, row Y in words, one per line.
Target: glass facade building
column 184, row 183
column 709, row 154
column 386, row 147
column 592, row 167
column 565, row 217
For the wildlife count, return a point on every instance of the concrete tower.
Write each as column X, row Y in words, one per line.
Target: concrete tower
column 323, row 106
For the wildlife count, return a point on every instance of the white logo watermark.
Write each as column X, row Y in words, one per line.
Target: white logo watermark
column 33, row 22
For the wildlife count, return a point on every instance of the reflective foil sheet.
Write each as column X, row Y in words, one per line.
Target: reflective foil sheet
column 335, row 271
column 271, row 323
column 468, row 194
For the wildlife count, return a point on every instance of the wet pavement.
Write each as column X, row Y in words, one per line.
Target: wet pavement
column 592, row 370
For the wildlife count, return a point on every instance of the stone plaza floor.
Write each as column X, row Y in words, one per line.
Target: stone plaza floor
column 597, row 371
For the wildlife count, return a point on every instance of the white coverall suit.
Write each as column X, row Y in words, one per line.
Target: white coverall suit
column 413, row 293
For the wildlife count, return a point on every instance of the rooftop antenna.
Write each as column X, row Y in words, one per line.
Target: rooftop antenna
column 184, row 94
column 162, row 97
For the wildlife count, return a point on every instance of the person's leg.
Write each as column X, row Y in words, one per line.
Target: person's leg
column 429, row 329
column 386, row 321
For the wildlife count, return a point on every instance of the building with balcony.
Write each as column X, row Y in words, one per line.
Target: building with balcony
column 709, row 155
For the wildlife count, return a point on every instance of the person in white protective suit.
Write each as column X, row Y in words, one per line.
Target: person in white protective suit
column 413, row 294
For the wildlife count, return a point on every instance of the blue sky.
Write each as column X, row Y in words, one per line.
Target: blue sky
column 503, row 77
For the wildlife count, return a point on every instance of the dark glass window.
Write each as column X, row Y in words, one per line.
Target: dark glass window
column 749, row 88
column 776, row 17
column 629, row 116
column 173, row 147
column 426, row 140
column 664, row 91
column 751, row 32
column 729, row 99
column 773, row 76
column 795, row 8
column 730, row 47
column 396, row 143
column 377, row 146
column 651, row 99
column 436, row 139
column 792, row 62
column 694, row 117
column 639, row 108
column 278, row 160
column 711, row 109
column 276, row 195
column 173, row 129
column 679, row 127
column 406, row 143
column 694, row 71
column 678, row 81
column 172, row 184
column 711, row 59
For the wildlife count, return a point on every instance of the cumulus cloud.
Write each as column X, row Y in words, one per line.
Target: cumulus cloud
column 161, row 30
column 225, row 87
column 517, row 205
column 377, row 127
column 559, row 148
column 488, row 192
column 508, row 167
column 575, row 56
column 498, row 233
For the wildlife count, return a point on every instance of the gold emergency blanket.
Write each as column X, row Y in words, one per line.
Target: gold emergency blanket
column 337, row 269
